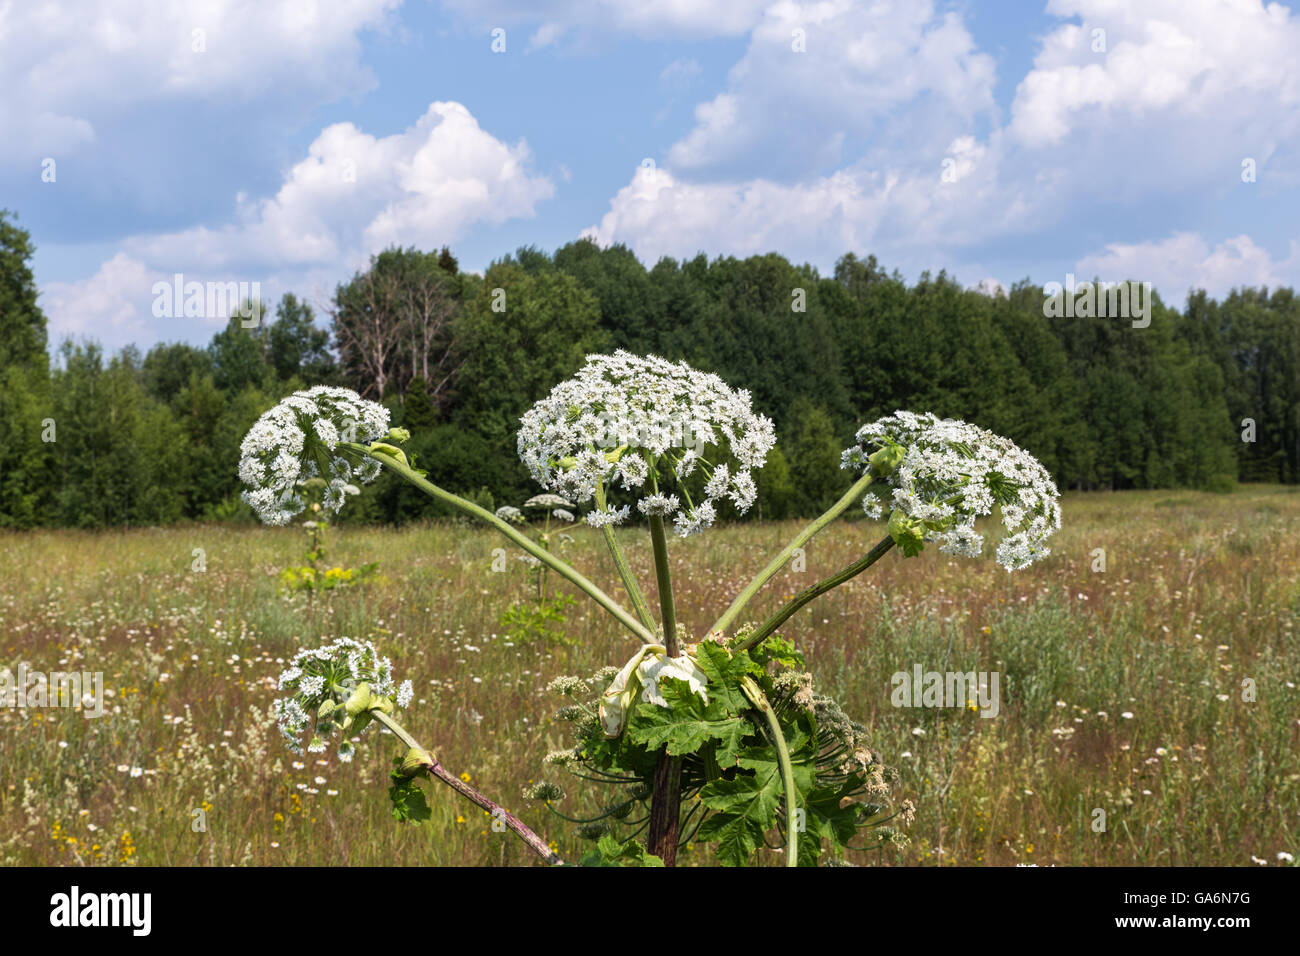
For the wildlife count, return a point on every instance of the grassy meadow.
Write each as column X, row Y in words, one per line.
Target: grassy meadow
column 1122, row 689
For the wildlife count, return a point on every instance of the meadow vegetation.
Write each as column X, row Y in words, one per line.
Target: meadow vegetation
column 1122, row 689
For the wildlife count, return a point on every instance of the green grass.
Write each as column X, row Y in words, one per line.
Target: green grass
column 1200, row 592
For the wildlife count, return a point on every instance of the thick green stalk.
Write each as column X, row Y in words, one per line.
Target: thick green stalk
column 427, row 762
column 776, row 564
column 666, row 798
column 787, row 782
column 792, row 606
column 553, row 562
column 667, row 610
column 625, row 574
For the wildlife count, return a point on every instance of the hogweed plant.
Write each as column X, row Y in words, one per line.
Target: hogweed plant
column 345, row 688
column 553, row 508
column 299, row 439
column 314, row 576
column 722, row 739
column 541, row 619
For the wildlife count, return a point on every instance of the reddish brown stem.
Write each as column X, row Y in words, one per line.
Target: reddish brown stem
column 427, row 762
column 665, row 809
column 525, row 833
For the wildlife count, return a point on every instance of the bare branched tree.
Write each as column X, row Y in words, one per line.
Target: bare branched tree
column 427, row 307
column 392, row 324
column 368, row 330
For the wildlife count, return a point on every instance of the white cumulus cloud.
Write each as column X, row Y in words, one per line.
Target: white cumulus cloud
column 353, row 195
column 72, row 68
column 884, row 137
column 1185, row 261
column 1165, row 95
column 819, row 79
column 648, row 18
column 111, row 306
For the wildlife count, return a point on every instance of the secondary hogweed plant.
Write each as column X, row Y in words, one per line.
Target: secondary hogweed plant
column 946, row 474
column 316, row 575
column 718, row 736
column 541, row 619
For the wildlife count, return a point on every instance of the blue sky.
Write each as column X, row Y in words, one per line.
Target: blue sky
column 285, row 142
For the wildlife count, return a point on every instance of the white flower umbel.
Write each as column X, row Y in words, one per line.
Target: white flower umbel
column 298, row 440
column 662, row 505
column 335, row 688
column 511, row 514
column 638, row 423
column 548, row 502
column 943, row 474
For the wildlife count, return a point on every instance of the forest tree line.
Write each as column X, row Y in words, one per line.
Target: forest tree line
column 1201, row 398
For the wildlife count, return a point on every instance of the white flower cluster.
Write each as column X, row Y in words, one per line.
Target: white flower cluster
column 548, row 502
column 638, row 421
column 951, row 473
column 510, row 514
column 296, row 440
column 335, row 687
column 554, row 506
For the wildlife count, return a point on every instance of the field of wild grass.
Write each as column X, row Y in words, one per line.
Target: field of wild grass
column 1122, row 689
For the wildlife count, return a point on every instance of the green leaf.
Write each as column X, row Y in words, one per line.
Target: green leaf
column 823, row 805
column 762, row 760
column 908, row 533
column 735, row 837
column 724, row 671
column 777, row 648
column 745, row 809
column 687, row 724
column 408, row 799
column 609, row 852
column 754, row 796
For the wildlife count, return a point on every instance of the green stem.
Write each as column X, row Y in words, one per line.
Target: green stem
column 541, row 572
column 792, row 606
column 667, row 610
column 787, row 778
column 629, row 580
column 666, row 799
column 776, row 564
column 434, row 768
column 557, row 564
column 401, row 733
